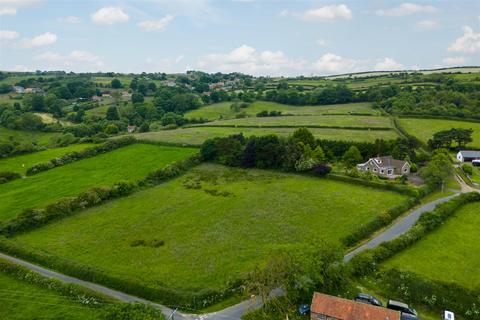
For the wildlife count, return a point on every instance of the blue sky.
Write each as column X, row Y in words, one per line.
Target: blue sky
column 260, row 37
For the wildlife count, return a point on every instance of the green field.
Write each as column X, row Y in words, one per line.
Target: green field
column 36, row 137
column 209, row 238
column 20, row 300
column 196, row 135
column 222, row 110
column 128, row 163
column 448, row 254
column 22, row 162
column 306, row 121
column 424, row 129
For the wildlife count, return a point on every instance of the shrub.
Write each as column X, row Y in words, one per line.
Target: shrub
column 9, row 176
column 321, row 169
column 467, row 169
column 132, row 311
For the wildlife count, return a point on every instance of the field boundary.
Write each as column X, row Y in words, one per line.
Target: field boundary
column 434, row 117
column 289, row 126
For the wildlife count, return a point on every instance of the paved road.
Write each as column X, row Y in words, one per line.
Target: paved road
column 398, row 228
column 234, row 312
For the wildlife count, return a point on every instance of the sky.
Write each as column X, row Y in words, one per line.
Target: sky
column 258, row 37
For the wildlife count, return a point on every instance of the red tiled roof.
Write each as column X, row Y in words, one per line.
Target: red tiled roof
column 344, row 309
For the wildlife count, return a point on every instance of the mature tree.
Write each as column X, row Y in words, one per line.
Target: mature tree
column 137, row 98
column 304, row 136
column 438, row 169
column 116, row 84
column 112, row 113
column 352, row 157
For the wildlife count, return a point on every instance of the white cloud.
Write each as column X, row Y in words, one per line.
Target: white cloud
column 331, row 63
column 468, row 43
column 7, row 11
column 199, row 11
column 427, row 24
column 455, row 61
column 109, row 16
column 77, row 59
column 8, row 35
column 330, row 12
column 248, row 60
column 321, row 42
column 70, row 19
column 156, row 25
column 388, row 64
column 44, row 39
column 406, row 8
column 284, row 13
column 10, row 7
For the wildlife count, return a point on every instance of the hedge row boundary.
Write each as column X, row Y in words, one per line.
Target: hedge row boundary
column 434, row 117
column 186, row 300
column 108, row 146
column 7, row 176
column 32, row 218
column 367, row 262
column 78, row 293
column 292, row 126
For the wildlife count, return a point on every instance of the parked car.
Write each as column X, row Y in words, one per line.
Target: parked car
column 304, row 309
column 407, row 316
column 476, row 163
column 368, row 299
column 448, row 315
column 400, row 306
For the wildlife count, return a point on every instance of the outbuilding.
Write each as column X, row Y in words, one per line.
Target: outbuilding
column 468, row 155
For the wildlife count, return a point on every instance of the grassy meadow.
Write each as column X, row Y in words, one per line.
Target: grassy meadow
column 216, row 222
column 307, row 121
column 424, row 129
column 450, row 250
column 222, row 110
column 35, row 137
column 20, row 300
column 197, row 135
column 22, row 162
column 128, row 163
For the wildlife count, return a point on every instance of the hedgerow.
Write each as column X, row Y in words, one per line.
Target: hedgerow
column 9, row 176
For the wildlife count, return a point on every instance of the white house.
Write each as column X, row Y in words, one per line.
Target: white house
column 468, row 155
column 386, row 167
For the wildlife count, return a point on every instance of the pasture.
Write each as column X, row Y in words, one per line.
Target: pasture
column 197, row 135
column 128, row 163
column 216, row 224
column 424, row 129
column 21, row 300
column 450, row 250
column 35, row 137
column 222, row 110
column 306, row 121
column 22, row 162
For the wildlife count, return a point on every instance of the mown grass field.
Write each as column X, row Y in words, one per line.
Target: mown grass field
column 222, row 110
column 209, row 238
column 128, row 163
column 22, row 162
column 197, row 135
column 36, row 137
column 448, row 254
column 20, row 300
column 306, row 121
column 424, row 129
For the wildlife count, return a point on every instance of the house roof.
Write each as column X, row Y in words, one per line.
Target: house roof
column 388, row 161
column 344, row 309
column 470, row 154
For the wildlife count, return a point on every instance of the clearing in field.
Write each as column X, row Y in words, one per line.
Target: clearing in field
column 222, row 110
column 450, row 250
column 197, row 135
column 21, row 300
column 22, row 162
column 424, row 129
column 306, row 121
column 128, row 163
column 216, row 224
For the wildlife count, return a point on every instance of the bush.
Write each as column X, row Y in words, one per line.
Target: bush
column 9, row 176
column 132, row 311
column 467, row 169
column 321, row 169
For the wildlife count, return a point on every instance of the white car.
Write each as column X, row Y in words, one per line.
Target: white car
column 448, row 315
